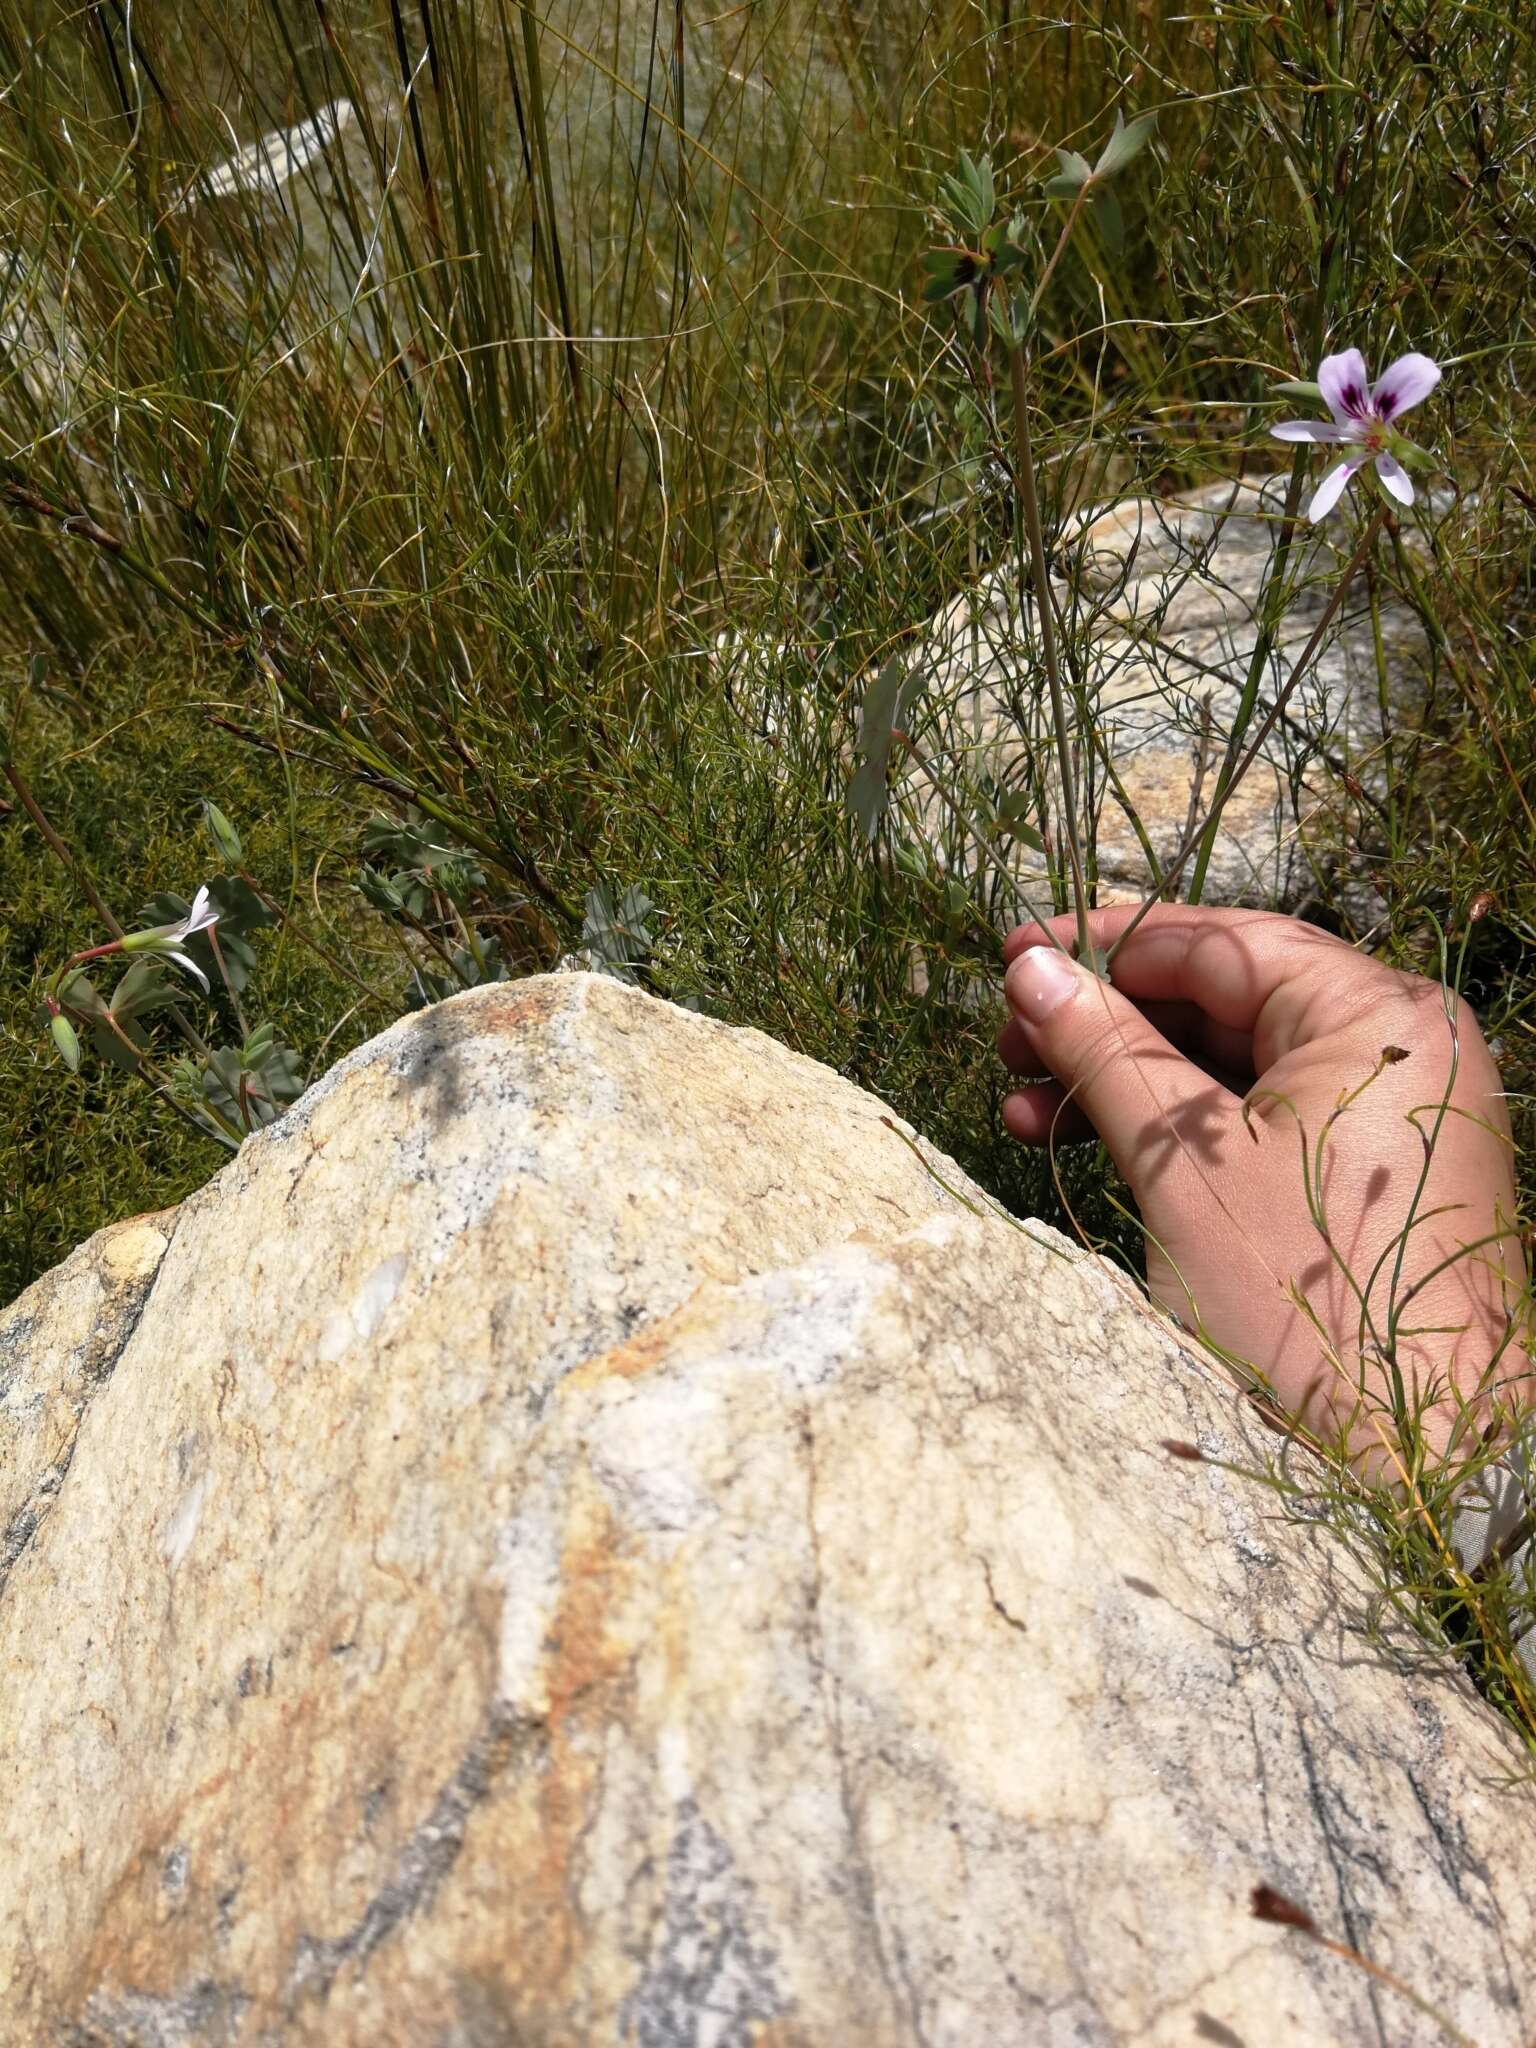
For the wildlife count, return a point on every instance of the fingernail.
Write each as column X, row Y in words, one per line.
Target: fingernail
column 1039, row 982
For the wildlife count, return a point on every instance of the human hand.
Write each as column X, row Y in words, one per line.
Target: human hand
column 1212, row 1010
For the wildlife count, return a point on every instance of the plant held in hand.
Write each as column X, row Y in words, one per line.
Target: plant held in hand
column 1363, row 420
column 978, row 271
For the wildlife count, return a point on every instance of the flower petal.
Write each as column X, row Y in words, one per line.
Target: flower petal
column 1344, row 385
column 183, row 960
column 1312, row 430
column 1331, row 489
column 1408, row 380
column 200, row 916
column 1395, row 477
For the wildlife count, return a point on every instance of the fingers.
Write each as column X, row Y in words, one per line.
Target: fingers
column 1275, row 982
column 1041, row 1115
column 1226, row 1055
column 1113, row 1064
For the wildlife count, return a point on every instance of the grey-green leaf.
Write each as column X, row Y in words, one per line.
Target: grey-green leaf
column 617, row 931
column 1128, row 141
column 1111, row 222
column 886, row 703
column 1074, row 174
column 1012, row 815
column 142, row 989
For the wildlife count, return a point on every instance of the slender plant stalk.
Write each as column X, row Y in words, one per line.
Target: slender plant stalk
column 971, row 823
column 1024, row 465
column 51, row 838
column 1039, row 575
column 1270, row 720
column 1269, row 626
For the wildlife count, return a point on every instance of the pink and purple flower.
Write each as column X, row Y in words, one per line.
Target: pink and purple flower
column 1364, row 419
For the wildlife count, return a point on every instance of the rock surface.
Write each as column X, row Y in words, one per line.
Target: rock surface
column 588, row 1539
column 57, row 1346
column 1165, row 597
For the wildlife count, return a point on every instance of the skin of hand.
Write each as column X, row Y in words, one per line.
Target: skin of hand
column 1211, row 1010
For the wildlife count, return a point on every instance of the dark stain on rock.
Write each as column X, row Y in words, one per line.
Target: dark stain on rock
column 203, row 2015
column 15, row 1337
column 421, row 1865
column 711, row 1974
column 1209, row 2029
column 254, row 1677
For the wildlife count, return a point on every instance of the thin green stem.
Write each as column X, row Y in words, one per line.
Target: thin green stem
column 1024, row 467
column 984, row 838
column 1271, row 719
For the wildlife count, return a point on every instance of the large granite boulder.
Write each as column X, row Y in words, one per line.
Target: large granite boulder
column 587, row 1532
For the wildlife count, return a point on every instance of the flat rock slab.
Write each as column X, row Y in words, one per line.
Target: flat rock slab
column 1164, row 599
column 591, row 1534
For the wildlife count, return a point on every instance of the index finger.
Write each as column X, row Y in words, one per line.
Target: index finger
column 1284, row 981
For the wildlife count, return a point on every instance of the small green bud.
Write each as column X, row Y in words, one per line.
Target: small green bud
column 221, row 832
column 968, row 194
column 67, row 1045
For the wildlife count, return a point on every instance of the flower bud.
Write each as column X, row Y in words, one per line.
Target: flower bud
column 66, row 1043
column 222, row 833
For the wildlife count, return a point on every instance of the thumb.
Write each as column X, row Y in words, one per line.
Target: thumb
column 1140, row 1092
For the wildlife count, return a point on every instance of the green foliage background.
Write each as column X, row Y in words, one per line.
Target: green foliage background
column 445, row 472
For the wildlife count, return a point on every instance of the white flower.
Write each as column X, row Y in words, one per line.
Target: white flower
column 166, row 940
